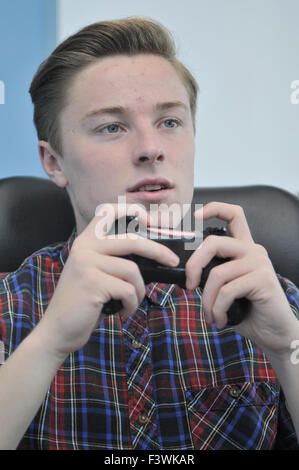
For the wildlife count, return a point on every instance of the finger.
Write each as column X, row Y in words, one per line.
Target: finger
column 223, row 247
column 236, row 289
column 125, row 270
column 221, row 275
column 135, row 244
column 107, row 213
column 233, row 214
column 114, row 288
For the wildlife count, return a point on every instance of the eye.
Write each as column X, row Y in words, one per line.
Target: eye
column 171, row 123
column 111, row 129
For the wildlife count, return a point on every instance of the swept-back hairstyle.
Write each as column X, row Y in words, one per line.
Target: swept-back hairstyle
column 128, row 36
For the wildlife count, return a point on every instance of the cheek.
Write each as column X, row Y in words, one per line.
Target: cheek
column 88, row 161
column 185, row 158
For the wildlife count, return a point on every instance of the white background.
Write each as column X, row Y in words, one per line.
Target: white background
column 244, row 54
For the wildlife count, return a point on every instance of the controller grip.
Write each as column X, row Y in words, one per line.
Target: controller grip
column 235, row 314
column 112, row 306
column 238, row 311
column 152, row 271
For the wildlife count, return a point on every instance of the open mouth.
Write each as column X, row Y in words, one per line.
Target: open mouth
column 151, row 188
column 152, row 194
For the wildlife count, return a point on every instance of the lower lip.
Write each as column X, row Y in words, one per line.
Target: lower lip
column 151, row 195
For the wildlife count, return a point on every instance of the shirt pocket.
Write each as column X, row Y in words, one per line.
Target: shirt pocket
column 233, row 417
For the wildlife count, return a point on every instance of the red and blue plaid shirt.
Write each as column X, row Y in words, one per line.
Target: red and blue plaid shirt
column 161, row 380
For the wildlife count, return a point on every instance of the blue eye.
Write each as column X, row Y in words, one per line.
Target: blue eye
column 111, row 129
column 171, row 123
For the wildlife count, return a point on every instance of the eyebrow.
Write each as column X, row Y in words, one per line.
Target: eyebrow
column 117, row 110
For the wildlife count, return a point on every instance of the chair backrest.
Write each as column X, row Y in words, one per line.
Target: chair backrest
column 35, row 213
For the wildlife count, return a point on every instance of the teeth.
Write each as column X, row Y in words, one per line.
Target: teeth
column 150, row 187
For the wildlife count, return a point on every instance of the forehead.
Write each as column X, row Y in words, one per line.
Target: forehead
column 126, row 81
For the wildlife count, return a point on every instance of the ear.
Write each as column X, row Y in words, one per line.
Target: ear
column 52, row 163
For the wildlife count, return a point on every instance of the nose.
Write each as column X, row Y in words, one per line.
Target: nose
column 148, row 147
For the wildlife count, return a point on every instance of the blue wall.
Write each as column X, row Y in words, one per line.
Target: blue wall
column 27, row 36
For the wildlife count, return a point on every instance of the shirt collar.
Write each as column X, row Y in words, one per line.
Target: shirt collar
column 159, row 293
column 67, row 248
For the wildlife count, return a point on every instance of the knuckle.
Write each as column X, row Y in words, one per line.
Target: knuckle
column 130, row 290
column 261, row 250
column 130, row 268
column 210, row 242
column 266, row 274
column 216, row 275
column 225, row 292
column 238, row 208
column 211, row 239
column 142, row 293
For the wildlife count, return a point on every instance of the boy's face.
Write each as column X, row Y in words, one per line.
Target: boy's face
column 127, row 119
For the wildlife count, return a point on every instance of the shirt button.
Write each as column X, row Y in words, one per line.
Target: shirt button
column 143, row 419
column 234, row 392
column 136, row 344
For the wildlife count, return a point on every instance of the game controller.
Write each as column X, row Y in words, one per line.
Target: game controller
column 152, row 271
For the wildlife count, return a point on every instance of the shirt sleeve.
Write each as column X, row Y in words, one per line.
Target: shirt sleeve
column 292, row 293
column 2, row 325
column 14, row 319
column 286, row 435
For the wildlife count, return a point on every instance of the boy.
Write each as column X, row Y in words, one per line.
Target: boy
column 115, row 116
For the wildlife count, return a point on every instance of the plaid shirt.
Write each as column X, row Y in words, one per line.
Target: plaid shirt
column 161, row 380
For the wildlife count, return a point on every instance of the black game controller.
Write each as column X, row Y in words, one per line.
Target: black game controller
column 152, row 271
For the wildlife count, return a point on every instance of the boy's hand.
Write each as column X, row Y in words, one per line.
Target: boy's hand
column 93, row 274
column 270, row 322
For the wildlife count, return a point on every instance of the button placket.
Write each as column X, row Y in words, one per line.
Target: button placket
column 143, row 418
column 136, row 344
column 139, row 382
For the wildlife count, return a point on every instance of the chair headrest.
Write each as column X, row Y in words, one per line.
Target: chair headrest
column 273, row 218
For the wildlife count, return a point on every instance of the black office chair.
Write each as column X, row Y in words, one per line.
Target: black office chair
column 35, row 213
